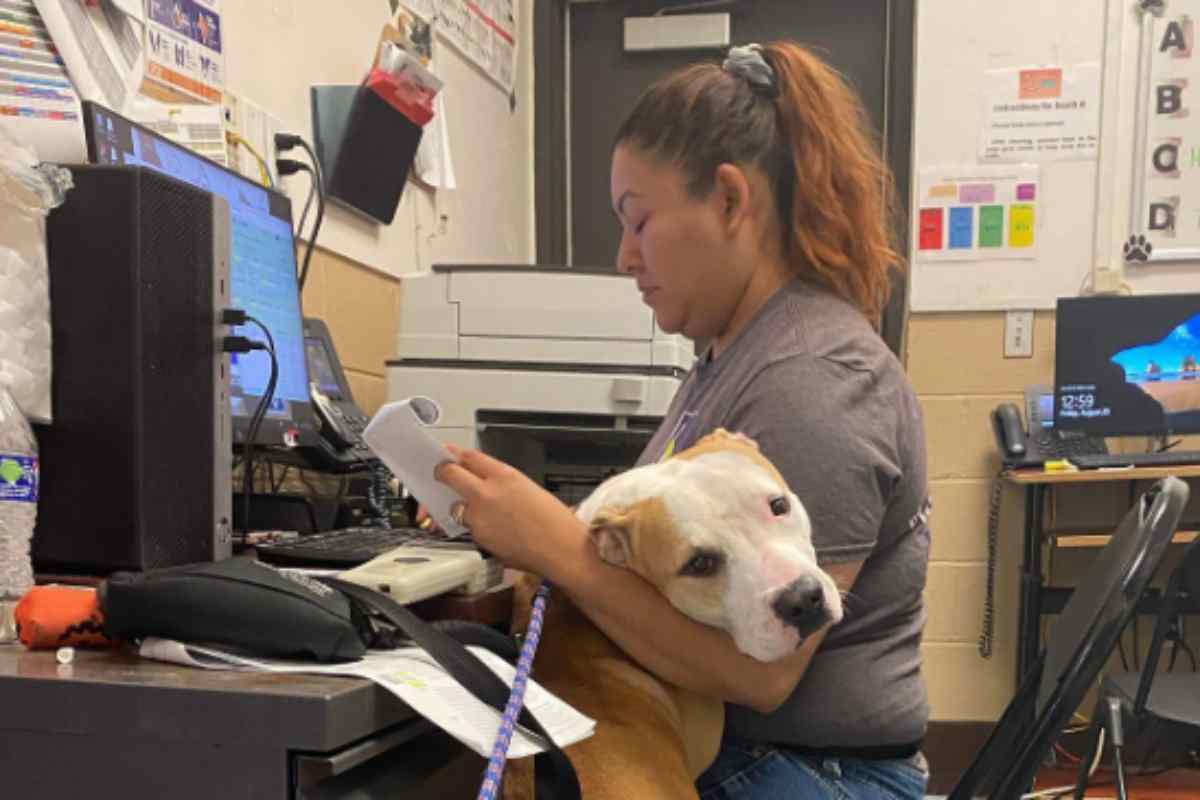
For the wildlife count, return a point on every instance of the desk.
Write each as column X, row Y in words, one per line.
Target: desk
column 1033, row 593
column 113, row 725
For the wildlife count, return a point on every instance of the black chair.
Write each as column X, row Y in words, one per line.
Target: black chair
column 1150, row 697
column 1077, row 647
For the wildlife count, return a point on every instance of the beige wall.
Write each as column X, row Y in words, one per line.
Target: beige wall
column 956, row 365
column 361, row 307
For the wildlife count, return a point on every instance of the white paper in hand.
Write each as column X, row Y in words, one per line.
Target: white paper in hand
column 399, row 435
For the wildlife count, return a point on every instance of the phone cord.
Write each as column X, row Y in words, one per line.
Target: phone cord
column 989, row 598
column 377, row 492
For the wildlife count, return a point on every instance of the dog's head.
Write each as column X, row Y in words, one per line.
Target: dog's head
column 718, row 532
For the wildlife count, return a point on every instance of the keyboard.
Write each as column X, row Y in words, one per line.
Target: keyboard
column 349, row 547
column 1169, row 458
column 1054, row 446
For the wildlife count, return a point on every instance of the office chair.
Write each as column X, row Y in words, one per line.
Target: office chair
column 1149, row 696
column 1077, row 647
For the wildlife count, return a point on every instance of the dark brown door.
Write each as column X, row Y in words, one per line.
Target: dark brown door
column 605, row 81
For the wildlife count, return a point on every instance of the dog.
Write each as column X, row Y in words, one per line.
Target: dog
column 717, row 531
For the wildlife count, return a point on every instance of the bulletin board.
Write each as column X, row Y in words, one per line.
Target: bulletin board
column 1164, row 223
column 1014, row 235
column 277, row 50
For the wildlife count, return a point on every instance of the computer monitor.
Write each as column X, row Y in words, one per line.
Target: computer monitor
column 1128, row 365
column 262, row 271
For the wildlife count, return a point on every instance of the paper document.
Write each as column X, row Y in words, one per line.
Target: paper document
column 101, row 46
column 399, row 435
column 412, row 675
column 38, row 104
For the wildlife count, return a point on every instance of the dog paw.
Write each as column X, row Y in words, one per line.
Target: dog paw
column 1138, row 248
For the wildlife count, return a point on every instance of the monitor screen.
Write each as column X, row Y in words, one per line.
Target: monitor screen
column 1127, row 365
column 262, row 270
column 322, row 368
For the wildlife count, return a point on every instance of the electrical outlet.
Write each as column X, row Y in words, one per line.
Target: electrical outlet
column 1018, row 334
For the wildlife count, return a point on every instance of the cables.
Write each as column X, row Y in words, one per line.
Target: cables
column 240, row 344
column 264, row 171
column 987, row 635
column 283, row 143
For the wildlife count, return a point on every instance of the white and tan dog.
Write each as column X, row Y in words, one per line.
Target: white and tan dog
column 717, row 531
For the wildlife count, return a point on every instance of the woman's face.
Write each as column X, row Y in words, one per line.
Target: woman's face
column 678, row 248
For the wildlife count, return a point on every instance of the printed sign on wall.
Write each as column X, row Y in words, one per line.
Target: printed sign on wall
column 973, row 213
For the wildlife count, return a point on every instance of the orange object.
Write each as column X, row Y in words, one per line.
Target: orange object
column 61, row 616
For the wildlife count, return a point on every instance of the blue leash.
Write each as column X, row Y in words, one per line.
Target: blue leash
column 495, row 767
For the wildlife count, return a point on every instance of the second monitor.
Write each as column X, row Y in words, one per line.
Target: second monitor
column 262, row 271
column 1128, row 365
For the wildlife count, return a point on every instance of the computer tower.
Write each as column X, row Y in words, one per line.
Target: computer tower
column 135, row 465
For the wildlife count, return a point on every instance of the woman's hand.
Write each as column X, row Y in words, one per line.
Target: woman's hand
column 510, row 516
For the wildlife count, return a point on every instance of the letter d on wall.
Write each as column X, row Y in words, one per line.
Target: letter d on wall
column 1162, row 217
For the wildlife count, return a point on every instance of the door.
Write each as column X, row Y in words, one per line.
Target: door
column 586, row 83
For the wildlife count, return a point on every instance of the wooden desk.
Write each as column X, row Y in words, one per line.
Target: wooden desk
column 1033, row 592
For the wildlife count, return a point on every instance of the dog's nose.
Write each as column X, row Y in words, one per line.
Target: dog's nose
column 801, row 604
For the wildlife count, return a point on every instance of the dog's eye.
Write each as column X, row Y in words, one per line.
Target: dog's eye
column 780, row 506
column 702, row 565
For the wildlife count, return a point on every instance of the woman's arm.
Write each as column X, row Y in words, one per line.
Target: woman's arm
column 631, row 612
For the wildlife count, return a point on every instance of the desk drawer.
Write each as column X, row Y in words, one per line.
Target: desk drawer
column 413, row 760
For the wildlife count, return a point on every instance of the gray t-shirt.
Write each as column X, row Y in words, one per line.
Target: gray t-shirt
column 831, row 407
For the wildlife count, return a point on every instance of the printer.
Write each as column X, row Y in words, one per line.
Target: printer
column 561, row 372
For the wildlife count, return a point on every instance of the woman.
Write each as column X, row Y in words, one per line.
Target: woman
column 754, row 212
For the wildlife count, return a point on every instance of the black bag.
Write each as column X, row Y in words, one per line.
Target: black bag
column 238, row 602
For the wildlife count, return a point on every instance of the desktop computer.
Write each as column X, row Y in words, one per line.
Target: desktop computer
column 135, row 465
column 1128, row 366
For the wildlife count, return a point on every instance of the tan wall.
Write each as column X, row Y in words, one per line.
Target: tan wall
column 956, row 364
column 362, row 309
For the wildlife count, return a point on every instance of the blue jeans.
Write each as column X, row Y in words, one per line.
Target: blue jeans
column 765, row 772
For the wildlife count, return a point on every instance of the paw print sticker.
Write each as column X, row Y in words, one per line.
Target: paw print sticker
column 1138, row 248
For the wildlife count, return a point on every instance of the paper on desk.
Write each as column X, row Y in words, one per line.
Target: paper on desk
column 412, row 675
column 399, row 435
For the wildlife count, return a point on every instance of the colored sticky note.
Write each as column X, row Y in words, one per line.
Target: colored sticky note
column 1026, row 191
column 977, row 193
column 991, row 226
column 1020, row 225
column 930, row 233
column 962, row 223
column 943, row 191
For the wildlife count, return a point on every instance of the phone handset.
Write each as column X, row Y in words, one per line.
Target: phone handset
column 1010, row 433
column 333, row 423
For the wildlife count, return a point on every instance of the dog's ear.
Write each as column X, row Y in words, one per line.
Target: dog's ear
column 610, row 530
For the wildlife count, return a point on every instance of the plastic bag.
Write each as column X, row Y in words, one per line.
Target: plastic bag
column 28, row 191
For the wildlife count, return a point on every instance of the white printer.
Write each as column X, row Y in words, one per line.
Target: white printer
column 559, row 371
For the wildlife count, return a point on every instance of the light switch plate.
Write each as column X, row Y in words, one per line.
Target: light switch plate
column 1018, row 334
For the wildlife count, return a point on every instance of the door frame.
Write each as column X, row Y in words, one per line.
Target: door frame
column 552, row 144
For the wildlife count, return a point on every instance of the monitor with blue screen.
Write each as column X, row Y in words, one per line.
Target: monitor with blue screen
column 1128, row 365
column 262, row 271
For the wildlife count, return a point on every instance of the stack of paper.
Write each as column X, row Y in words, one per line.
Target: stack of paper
column 38, row 104
column 412, row 675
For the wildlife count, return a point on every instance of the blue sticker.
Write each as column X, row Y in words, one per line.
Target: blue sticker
column 18, row 478
column 962, row 223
